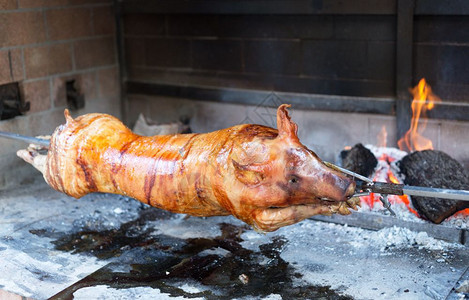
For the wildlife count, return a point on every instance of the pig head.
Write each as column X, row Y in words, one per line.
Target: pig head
column 277, row 181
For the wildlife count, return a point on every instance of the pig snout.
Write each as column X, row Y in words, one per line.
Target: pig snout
column 334, row 185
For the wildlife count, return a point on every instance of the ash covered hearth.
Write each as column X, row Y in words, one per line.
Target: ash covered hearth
column 109, row 246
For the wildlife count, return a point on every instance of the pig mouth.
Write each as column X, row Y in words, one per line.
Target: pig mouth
column 342, row 206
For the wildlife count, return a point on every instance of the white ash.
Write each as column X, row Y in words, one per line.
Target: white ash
column 402, row 212
column 389, row 151
column 273, row 297
column 101, row 292
column 192, row 288
column 118, row 211
column 36, row 277
column 459, row 221
column 398, row 238
column 386, row 239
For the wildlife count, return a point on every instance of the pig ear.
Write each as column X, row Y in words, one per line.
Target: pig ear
column 286, row 128
column 68, row 117
column 249, row 174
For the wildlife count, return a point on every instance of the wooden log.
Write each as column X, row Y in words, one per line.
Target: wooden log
column 430, row 168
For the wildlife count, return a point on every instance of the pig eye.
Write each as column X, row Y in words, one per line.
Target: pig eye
column 293, row 179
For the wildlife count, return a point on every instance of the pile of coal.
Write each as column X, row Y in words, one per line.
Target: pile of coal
column 431, row 168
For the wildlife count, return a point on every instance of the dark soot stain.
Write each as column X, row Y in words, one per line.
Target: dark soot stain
column 160, row 261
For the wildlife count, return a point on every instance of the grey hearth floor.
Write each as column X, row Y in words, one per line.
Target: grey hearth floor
column 111, row 247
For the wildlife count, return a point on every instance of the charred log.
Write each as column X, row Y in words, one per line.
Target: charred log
column 359, row 159
column 436, row 169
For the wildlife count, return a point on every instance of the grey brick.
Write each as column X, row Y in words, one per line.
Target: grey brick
column 426, row 62
column 361, row 27
column 349, row 87
column 327, row 133
column 279, row 57
column 453, row 63
column 144, row 24
column 164, row 52
column 223, row 55
column 257, row 26
column 193, row 25
column 451, row 92
column 335, row 59
column 381, row 61
column 441, row 29
column 135, row 51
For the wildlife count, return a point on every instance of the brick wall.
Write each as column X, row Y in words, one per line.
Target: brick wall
column 441, row 53
column 44, row 43
column 336, row 55
column 340, row 55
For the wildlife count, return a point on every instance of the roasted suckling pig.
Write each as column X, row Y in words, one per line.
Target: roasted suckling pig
column 261, row 175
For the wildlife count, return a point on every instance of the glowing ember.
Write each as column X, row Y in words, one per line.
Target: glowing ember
column 423, row 100
column 404, row 199
column 384, row 173
column 464, row 212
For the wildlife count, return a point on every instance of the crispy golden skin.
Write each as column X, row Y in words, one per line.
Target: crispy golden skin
column 261, row 175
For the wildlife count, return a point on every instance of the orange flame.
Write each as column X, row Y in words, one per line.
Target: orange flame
column 423, row 100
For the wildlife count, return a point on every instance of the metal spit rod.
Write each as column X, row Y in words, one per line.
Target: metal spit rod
column 436, row 192
column 362, row 178
column 27, row 139
column 406, row 189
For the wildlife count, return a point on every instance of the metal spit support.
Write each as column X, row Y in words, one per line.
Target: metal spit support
column 436, row 193
column 27, row 139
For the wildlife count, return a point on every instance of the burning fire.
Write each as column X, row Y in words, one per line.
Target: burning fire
column 384, row 173
column 413, row 140
column 423, row 100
